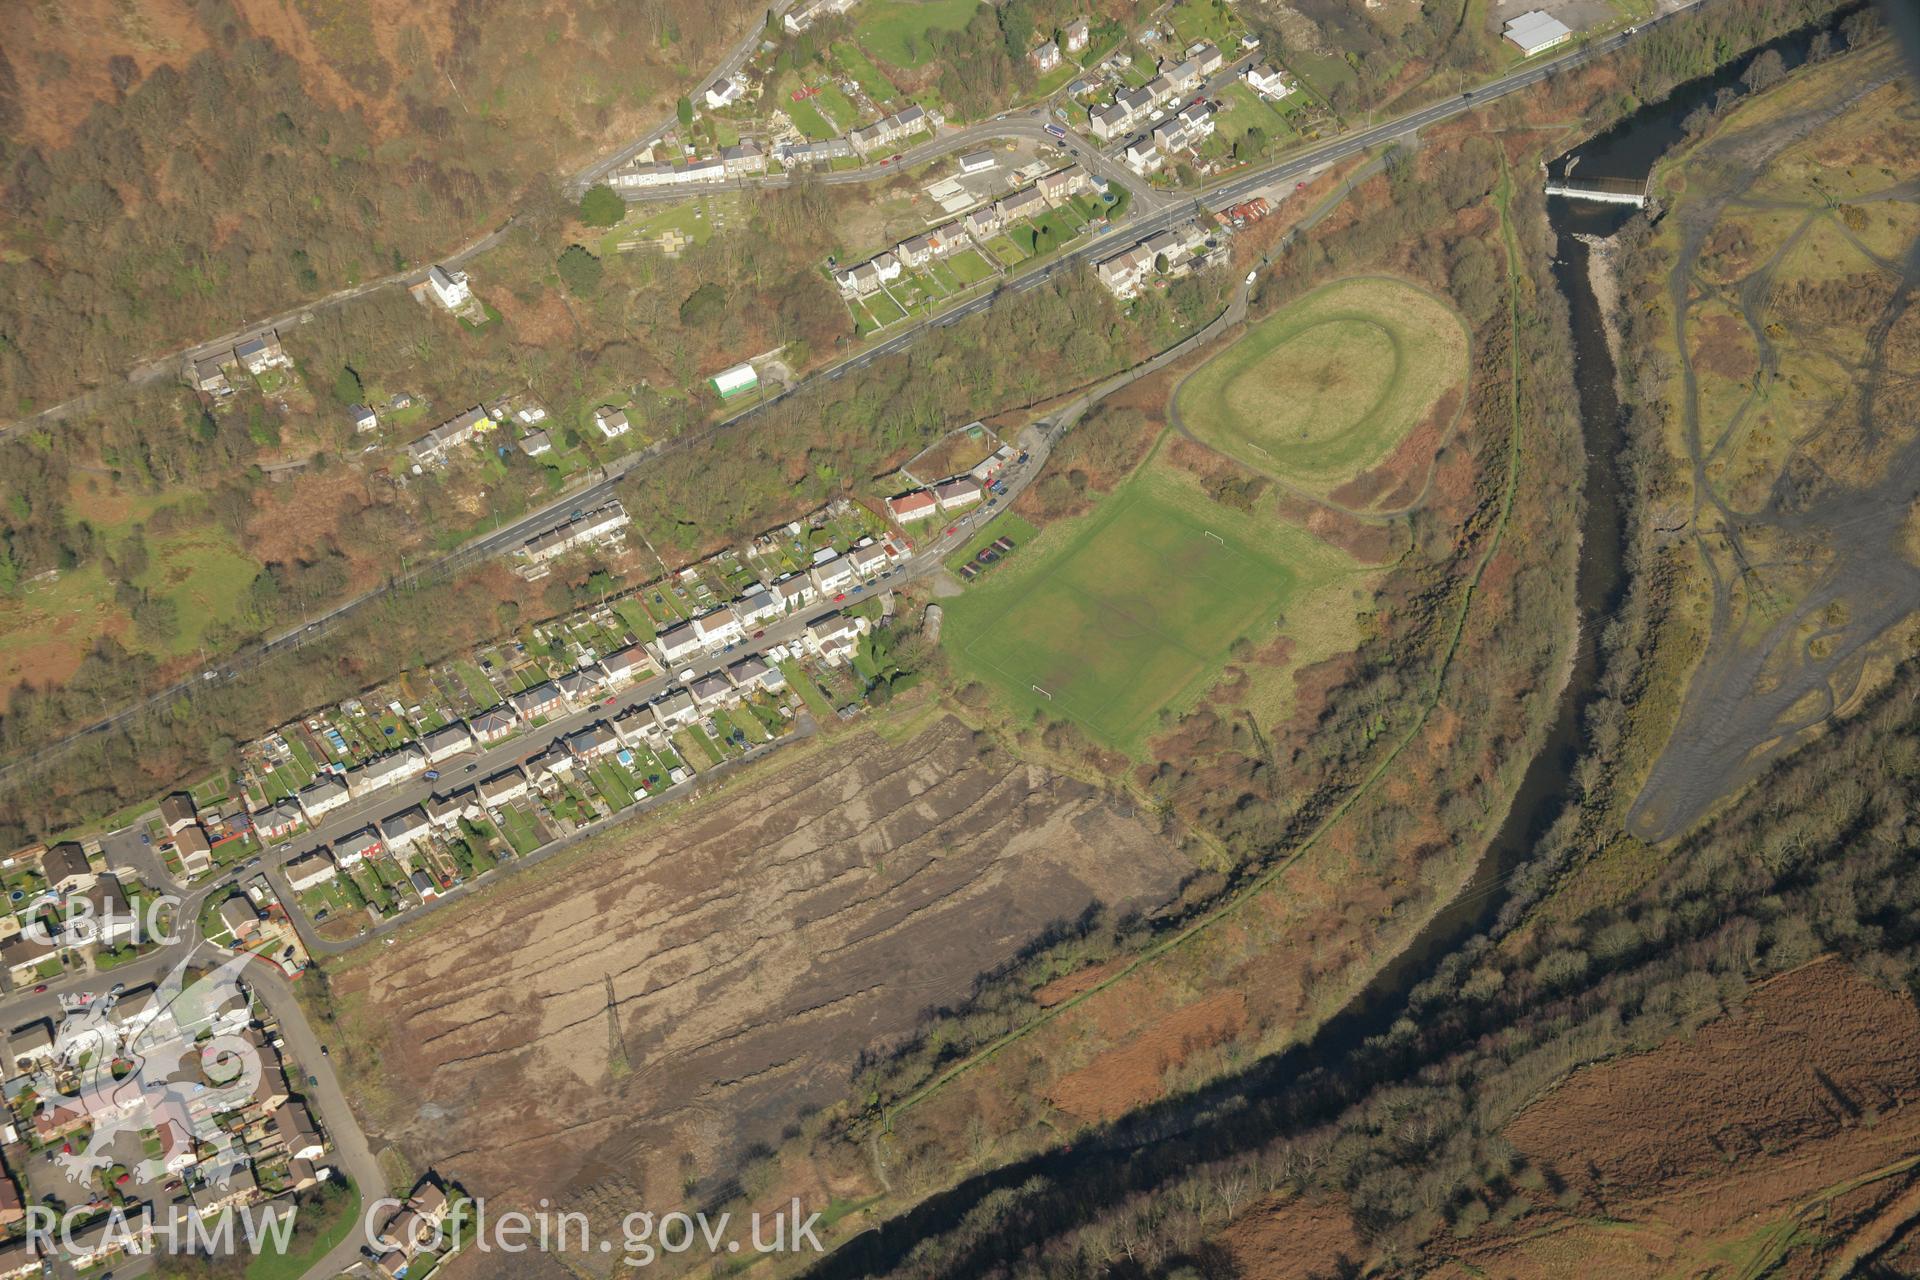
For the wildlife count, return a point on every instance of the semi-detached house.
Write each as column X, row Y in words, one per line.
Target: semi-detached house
column 963, row 491
column 541, row 700
column 869, row 561
column 580, row 687
column 711, row 689
column 351, row 850
column 1062, row 185
column 675, row 710
column 909, row 507
column 834, row 637
column 717, row 628
column 757, row 606
column 1028, row 203
column 678, row 642
column 833, row 575
column 278, row 820
column 494, row 724
column 448, row 741
column 507, row 785
column 323, row 795
column 636, row 725
column 756, row 673
column 592, row 742
column 385, row 771
column 310, row 870
column 403, row 830
column 625, row 664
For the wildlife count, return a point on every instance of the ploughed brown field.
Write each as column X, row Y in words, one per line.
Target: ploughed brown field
column 607, row 1028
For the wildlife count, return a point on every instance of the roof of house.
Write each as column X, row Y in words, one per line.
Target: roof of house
column 594, row 737
column 678, row 700
column 403, row 760
column 492, row 720
column 407, row 820
column 501, row 783
column 717, row 619
column 623, row 660
column 285, row 812
column 678, row 636
column 540, row 695
column 64, row 860
column 438, row 806
column 107, row 897
column 832, row 625
column 177, row 807
column 447, row 736
column 748, row 669
column 919, row 500
column 308, row 865
column 583, row 683
column 323, row 787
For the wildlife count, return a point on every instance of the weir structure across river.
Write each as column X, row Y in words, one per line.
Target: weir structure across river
column 1631, row 191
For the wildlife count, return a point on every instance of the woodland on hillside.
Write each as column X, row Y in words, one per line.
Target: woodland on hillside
column 206, row 189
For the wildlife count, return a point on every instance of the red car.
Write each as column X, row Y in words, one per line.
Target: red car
column 42, row 987
column 759, row 633
column 842, row 596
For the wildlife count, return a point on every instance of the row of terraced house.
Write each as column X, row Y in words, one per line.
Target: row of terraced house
column 831, row 638
column 963, row 233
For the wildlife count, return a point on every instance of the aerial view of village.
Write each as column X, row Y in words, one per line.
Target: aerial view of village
column 1156, row 639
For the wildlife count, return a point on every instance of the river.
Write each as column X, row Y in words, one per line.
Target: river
column 1227, row 1116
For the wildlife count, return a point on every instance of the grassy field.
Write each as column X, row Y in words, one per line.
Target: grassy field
column 895, row 31
column 808, row 120
column 1116, row 617
column 1194, row 20
column 872, row 81
column 1325, row 388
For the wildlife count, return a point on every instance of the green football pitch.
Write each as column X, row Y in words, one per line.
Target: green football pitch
column 1133, row 608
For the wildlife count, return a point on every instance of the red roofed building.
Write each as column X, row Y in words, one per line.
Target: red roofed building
column 908, row 507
